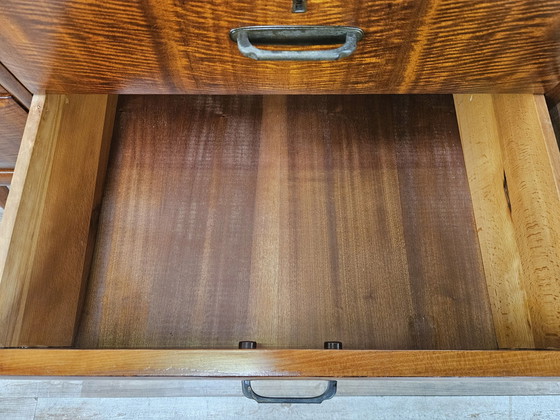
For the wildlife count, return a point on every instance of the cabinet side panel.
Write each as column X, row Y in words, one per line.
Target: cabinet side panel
column 44, row 237
column 513, row 167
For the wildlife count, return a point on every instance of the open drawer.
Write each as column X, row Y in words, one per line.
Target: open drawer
column 422, row 232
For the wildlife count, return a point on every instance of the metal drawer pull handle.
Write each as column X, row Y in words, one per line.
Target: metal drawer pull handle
column 296, row 35
column 328, row 394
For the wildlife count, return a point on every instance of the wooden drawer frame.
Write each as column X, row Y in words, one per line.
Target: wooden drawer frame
column 508, row 143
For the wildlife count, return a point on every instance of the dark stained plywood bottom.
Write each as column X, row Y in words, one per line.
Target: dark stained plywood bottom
column 288, row 221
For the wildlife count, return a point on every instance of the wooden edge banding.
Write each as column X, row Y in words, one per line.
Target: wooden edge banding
column 15, row 87
column 278, row 363
column 47, row 225
column 513, row 167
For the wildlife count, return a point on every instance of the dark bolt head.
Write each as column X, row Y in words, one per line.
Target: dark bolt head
column 247, row 345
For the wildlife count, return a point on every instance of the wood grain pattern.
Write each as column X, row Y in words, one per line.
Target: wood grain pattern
column 168, row 46
column 514, row 172
column 289, row 221
column 278, row 363
column 48, row 220
column 6, row 175
column 3, row 196
column 14, row 87
column 12, row 123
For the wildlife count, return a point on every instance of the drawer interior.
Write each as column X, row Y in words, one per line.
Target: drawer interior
column 291, row 221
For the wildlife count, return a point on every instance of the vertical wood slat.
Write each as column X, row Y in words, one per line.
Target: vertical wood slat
column 48, row 223
column 513, row 165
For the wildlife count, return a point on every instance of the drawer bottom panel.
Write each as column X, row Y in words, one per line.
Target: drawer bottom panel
column 288, row 221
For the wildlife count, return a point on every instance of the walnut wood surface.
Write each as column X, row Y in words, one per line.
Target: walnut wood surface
column 278, row 363
column 169, row 46
column 12, row 123
column 513, row 164
column 289, row 221
column 50, row 218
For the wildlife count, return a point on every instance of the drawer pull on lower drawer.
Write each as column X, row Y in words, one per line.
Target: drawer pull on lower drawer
column 328, row 394
column 297, row 35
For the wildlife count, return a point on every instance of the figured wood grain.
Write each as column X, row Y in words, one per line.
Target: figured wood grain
column 289, row 221
column 12, row 123
column 167, row 46
column 278, row 363
column 514, row 172
column 49, row 218
column 14, row 87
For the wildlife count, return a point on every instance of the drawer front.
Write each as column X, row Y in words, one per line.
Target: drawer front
column 184, row 46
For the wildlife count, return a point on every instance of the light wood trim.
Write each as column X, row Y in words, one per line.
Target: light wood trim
column 15, row 87
column 48, row 222
column 513, row 165
column 278, row 363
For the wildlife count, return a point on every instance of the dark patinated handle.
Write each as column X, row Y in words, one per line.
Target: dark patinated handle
column 328, row 394
column 246, row 37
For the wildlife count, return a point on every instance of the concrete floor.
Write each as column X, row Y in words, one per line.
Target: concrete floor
column 433, row 408
column 52, row 399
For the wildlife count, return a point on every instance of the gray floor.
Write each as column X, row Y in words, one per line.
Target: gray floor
column 54, row 399
column 234, row 407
